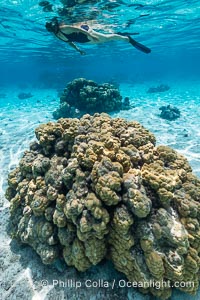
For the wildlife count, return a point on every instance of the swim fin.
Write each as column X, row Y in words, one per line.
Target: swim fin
column 139, row 46
column 128, row 33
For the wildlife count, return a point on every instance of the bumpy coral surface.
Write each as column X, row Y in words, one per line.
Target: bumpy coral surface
column 87, row 96
column 169, row 112
column 99, row 187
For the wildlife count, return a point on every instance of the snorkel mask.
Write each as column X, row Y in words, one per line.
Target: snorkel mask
column 52, row 26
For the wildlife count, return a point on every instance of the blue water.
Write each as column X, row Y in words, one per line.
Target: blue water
column 170, row 28
column 32, row 60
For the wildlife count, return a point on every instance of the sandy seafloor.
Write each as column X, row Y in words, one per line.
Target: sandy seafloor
column 22, row 275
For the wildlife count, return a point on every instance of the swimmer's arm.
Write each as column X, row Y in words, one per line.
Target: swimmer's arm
column 68, row 29
column 76, row 48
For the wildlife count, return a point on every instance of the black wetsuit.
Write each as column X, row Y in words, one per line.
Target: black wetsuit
column 78, row 37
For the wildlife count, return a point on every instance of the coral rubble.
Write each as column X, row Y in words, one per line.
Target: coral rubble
column 99, row 188
column 85, row 96
column 126, row 104
column 2, row 96
column 169, row 112
column 24, row 95
column 158, row 89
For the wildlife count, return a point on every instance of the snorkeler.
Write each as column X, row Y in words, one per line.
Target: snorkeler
column 84, row 34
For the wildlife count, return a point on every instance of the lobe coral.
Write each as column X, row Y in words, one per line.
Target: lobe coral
column 97, row 187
